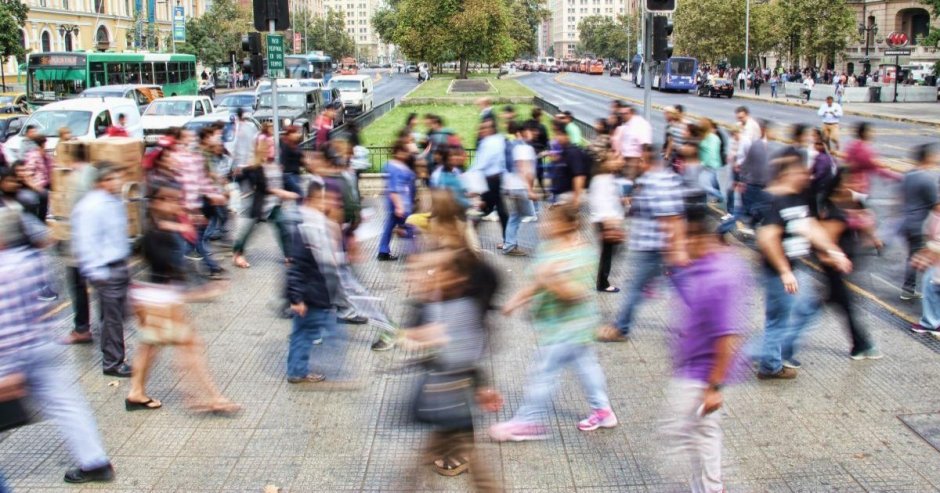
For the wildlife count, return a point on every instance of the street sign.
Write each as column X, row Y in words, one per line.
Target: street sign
column 275, row 53
column 179, row 25
column 897, row 52
column 897, row 39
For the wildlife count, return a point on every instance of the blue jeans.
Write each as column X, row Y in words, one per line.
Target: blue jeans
column 787, row 317
column 49, row 381
column 930, row 314
column 545, row 379
column 391, row 221
column 708, row 180
column 755, row 201
column 312, row 326
column 202, row 248
column 519, row 207
column 649, row 266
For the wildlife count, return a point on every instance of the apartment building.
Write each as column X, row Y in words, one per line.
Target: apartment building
column 359, row 26
column 567, row 14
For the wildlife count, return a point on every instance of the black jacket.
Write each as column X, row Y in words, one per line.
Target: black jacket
column 305, row 282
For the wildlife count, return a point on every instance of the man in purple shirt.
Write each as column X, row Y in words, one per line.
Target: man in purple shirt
column 707, row 337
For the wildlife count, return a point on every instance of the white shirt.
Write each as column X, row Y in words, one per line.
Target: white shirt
column 808, row 83
column 605, row 198
column 751, row 129
column 830, row 114
column 633, row 134
column 521, row 153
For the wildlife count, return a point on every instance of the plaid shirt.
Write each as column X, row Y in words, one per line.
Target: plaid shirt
column 658, row 194
column 195, row 182
column 22, row 275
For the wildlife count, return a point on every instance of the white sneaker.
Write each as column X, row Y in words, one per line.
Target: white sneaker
column 492, row 217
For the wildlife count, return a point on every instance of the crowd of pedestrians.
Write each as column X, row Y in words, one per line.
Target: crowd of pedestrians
column 658, row 201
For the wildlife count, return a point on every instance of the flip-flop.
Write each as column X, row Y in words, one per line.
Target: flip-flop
column 451, row 466
column 148, row 405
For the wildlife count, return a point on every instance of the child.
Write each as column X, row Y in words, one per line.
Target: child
column 565, row 313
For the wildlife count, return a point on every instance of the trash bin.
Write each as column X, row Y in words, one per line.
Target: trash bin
column 874, row 94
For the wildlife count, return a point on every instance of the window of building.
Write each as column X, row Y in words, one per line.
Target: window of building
column 68, row 42
column 46, row 41
column 65, row 4
column 99, row 6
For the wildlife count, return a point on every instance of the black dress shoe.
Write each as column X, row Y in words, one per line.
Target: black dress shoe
column 387, row 257
column 357, row 320
column 77, row 475
column 123, row 371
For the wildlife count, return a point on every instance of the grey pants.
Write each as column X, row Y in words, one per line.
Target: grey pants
column 112, row 302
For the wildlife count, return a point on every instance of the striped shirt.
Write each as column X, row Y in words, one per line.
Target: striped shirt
column 658, row 194
column 22, row 275
column 193, row 179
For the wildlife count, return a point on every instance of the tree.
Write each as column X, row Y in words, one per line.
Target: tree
column 217, row 32
column 526, row 15
column 933, row 37
column 605, row 37
column 327, row 34
column 12, row 17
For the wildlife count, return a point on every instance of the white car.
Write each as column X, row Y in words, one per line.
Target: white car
column 356, row 92
column 165, row 113
column 87, row 118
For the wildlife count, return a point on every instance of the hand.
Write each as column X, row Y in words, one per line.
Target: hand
column 299, row 308
column 711, row 401
column 923, row 259
column 842, row 264
column 679, row 258
column 12, row 386
column 399, row 212
column 789, row 282
column 489, row 399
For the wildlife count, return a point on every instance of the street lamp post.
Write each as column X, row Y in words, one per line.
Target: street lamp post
column 747, row 37
column 868, row 32
column 67, row 29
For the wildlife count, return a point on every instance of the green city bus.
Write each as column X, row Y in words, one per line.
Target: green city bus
column 62, row 75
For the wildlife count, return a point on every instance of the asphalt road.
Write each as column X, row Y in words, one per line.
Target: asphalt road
column 391, row 85
column 878, row 278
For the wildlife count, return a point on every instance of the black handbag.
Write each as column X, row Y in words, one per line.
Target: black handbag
column 14, row 414
column 445, row 398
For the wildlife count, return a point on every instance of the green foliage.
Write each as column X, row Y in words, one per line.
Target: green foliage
column 933, row 37
column 217, row 32
column 605, row 37
column 437, row 31
column 437, row 88
column 327, row 34
column 12, row 17
column 936, row 69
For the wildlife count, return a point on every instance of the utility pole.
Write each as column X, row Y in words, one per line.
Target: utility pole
column 647, row 58
column 277, row 121
column 747, row 39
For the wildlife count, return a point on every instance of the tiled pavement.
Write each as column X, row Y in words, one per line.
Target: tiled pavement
column 835, row 428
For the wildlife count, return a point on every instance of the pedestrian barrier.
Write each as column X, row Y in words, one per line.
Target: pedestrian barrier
column 360, row 121
column 379, row 155
column 587, row 130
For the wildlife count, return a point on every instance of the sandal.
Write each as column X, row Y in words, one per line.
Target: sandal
column 147, row 405
column 452, row 466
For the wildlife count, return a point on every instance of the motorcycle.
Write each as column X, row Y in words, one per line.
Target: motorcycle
column 207, row 88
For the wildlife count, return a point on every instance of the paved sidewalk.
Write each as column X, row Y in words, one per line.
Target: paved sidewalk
column 835, row 428
column 920, row 113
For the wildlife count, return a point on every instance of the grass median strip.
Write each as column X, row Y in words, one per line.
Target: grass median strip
column 438, row 85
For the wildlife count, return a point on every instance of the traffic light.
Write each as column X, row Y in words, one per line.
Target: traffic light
column 257, row 66
column 662, row 44
column 660, row 5
column 251, row 43
column 272, row 10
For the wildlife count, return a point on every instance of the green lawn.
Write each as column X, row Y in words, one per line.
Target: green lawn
column 437, row 88
column 462, row 119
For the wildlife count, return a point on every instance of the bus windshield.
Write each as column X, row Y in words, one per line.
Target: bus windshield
column 681, row 66
column 56, row 83
column 49, row 122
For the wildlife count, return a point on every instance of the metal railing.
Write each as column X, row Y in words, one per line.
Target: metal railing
column 587, row 129
column 379, row 155
column 360, row 120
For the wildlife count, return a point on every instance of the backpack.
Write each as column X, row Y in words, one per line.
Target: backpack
column 510, row 145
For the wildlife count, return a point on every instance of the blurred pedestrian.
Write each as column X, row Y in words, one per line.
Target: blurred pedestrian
column 629, row 139
column 100, row 246
column 570, row 170
column 517, row 184
column 490, row 161
column 565, row 314
column 706, row 335
column 606, row 201
column 919, row 196
column 199, row 194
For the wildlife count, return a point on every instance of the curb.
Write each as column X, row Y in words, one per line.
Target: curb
column 863, row 114
column 899, row 165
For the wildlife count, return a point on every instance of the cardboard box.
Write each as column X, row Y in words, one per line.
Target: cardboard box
column 59, row 204
column 70, row 152
column 61, row 230
column 125, row 152
column 60, row 178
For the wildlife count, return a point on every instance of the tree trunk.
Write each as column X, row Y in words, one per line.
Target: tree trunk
column 3, row 77
column 463, row 69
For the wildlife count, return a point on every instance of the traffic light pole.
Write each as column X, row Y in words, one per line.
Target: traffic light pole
column 647, row 59
column 277, row 121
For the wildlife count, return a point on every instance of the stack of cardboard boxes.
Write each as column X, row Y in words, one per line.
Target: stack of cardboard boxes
column 126, row 153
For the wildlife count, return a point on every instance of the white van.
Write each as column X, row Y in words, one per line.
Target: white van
column 356, row 91
column 87, row 118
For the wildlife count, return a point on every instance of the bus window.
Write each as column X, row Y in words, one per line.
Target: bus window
column 683, row 67
column 132, row 73
column 97, row 77
column 192, row 70
column 146, row 73
column 115, row 73
column 173, row 71
column 159, row 70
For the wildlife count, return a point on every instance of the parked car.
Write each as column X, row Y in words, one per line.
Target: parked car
column 228, row 131
column 87, row 118
column 13, row 102
column 411, row 68
column 175, row 111
column 234, row 100
column 142, row 94
column 295, row 106
column 716, row 88
column 614, row 71
column 11, row 124
column 332, row 96
column 356, row 92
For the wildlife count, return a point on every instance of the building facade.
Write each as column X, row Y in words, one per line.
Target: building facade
column 567, row 14
column 98, row 25
column 877, row 19
column 359, row 27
